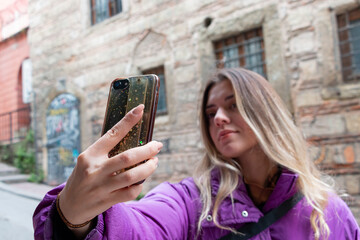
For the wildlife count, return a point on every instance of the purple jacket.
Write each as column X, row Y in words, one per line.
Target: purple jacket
column 171, row 211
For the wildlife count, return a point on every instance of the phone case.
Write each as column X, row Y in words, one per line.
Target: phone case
column 122, row 99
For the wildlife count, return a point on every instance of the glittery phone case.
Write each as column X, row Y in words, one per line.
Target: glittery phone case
column 124, row 95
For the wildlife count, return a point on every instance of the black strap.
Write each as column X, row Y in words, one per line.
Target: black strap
column 252, row 229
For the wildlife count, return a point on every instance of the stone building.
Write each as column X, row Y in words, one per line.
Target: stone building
column 307, row 49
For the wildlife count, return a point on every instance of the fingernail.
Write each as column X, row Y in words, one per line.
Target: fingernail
column 160, row 145
column 156, row 162
column 138, row 109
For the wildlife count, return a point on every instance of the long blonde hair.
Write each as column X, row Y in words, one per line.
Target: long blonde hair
column 279, row 138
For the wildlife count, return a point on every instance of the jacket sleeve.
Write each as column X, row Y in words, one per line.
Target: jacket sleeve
column 169, row 211
column 341, row 221
column 46, row 220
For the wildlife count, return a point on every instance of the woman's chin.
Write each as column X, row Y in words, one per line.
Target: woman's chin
column 228, row 153
column 236, row 149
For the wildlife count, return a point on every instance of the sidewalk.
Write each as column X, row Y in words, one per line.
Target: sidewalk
column 14, row 182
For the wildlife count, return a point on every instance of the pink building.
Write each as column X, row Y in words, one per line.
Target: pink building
column 14, row 54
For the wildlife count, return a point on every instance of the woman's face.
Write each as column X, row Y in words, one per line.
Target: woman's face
column 229, row 132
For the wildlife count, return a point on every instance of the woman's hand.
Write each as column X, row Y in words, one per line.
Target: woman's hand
column 94, row 186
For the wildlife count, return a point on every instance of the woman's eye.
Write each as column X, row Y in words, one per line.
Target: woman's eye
column 233, row 106
column 210, row 115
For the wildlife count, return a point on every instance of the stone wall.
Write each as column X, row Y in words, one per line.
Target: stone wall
column 326, row 109
column 302, row 57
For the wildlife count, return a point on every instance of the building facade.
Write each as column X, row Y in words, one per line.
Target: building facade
column 307, row 49
column 14, row 63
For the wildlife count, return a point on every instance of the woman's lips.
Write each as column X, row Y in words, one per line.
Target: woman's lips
column 224, row 134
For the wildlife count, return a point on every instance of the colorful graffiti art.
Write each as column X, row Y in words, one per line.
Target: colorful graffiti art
column 63, row 137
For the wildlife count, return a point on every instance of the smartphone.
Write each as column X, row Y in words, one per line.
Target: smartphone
column 124, row 95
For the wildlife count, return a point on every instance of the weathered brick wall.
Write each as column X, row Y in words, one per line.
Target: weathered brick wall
column 301, row 56
column 14, row 49
column 326, row 109
column 12, row 52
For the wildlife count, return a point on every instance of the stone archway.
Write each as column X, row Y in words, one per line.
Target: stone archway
column 63, row 137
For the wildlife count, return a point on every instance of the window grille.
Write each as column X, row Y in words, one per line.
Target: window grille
column 242, row 50
column 14, row 125
column 349, row 44
column 103, row 9
column 162, row 105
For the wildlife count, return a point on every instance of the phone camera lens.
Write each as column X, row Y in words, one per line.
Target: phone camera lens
column 116, row 84
column 121, row 84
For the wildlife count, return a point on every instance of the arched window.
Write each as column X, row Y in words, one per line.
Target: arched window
column 21, row 116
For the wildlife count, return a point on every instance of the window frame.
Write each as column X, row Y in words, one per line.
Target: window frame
column 160, row 70
column 240, row 41
column 346, row 50
column 114, row 7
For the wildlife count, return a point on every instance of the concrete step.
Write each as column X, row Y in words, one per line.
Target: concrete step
column 14, row 178
column 6, row 170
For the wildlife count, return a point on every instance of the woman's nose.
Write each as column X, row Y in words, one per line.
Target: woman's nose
column 221, row 118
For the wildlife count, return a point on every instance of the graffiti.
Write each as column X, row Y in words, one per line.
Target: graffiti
column 63, row 137
column 65, row 156
column 54, row 112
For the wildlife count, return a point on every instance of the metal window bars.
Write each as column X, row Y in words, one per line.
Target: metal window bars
column 14, row 125
column 245, row 50
column 349, row 44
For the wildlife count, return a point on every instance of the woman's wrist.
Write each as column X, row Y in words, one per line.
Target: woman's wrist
column 63, row 218
column 79, row 230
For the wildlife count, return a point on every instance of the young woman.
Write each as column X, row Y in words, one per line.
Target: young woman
column 255, row 160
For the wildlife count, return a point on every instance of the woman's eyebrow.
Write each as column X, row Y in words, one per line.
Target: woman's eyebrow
column 229, row 97
column 210, row 106
column 226, row 99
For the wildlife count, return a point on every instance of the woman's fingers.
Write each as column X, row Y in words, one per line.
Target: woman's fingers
column 126, row 194
column 92, row 187
column 132, row 156
column 127, row 179
column 117, row 132
column 83, row 199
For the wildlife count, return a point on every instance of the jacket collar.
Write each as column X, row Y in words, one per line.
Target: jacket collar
column 284, row 189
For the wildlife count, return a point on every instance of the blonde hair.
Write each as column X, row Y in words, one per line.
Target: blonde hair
column 279, row 138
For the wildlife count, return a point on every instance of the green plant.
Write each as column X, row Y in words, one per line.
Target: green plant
column 6, row 154
column 36, row 177
column 24, row 159
column 24, row 154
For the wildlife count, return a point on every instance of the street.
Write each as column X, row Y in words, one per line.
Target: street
column 16, row 216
